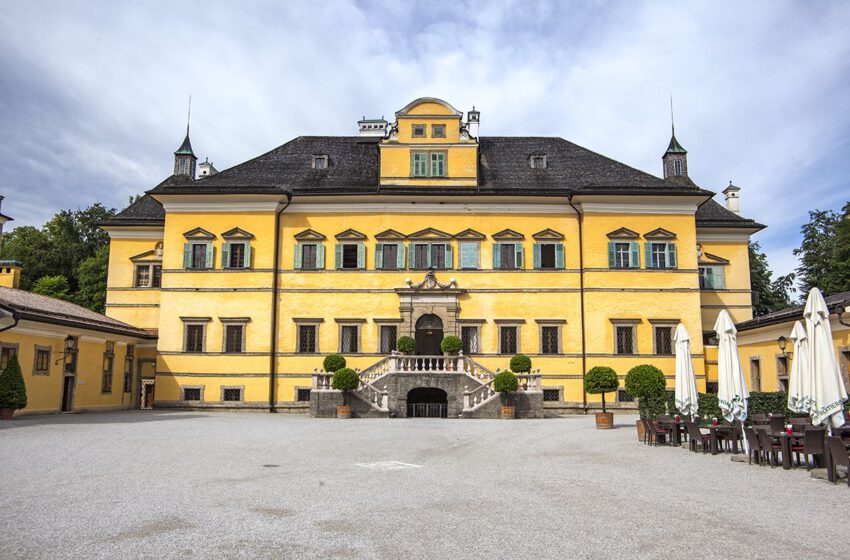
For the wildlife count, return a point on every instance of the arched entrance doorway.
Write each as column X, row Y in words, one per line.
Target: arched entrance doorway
column 427, row 402
column 429, row 334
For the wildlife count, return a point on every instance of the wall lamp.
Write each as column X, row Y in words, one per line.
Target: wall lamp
column 782, row 342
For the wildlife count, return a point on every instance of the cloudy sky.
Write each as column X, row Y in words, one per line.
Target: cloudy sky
column 93, row 94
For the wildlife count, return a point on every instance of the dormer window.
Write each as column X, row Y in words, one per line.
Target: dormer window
column 320, row 162
column 677, row 168
column 418, row 131
column 538, row 161
column 438, row 131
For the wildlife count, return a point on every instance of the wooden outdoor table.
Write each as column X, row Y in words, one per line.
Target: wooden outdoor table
column 712, row 430
column 785, row 441
column 675, row 430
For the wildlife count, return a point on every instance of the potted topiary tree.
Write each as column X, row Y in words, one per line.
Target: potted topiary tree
column 13, row 391
column 520, row 364
column 506, row 383
column 345, row 380
column 333, row 363
column 450, row 346
column 406, row 345
column 598, row 381
column 646, row 383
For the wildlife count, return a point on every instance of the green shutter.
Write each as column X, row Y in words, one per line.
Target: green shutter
column 450, row 261
column 320, row 256
column 209, row 263
column 635, row 256
column 468, row 255
column 338, row 256
column 428, row 263
column 497, row 256
column 225, row 255
column 537, row 255
column 647, row 253
column 559, row 255
column 612, row 254
column 379, row 256
column 519, row 263
column 671, row 255
column 401, row 250
column 361, row 255
column 247, row 263
column 298, row 263
column 720, row 282
column 187, row 255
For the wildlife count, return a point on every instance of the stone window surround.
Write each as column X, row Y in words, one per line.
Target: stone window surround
column 350, row 323
column 298, row 388
column 386, row 323
column 558, row 323
column 672, row 324
column 233, row 321
column 633, row 323
column 782, row 372
column 183, row 392
column 438, row 131
column 560, row 389
column 108, row 352
column 471, row 323
column 314, row 322
column 38, row 348
column 241, row 389
column 755, row 367
column 517, row 324
column 202, row 321
column 416, row 126
column 149, row 265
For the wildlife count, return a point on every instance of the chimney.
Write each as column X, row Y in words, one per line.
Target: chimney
column 472, row 119
column 207, row 168
column 10, row 274
column 733, row 202
column 372, row 127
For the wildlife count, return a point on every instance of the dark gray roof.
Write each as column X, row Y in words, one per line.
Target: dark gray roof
column 46, row 309
column 145, row 211
column 674, row 147
column 712, row 214
column 793, row 313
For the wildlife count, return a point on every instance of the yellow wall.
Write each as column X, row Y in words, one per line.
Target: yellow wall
column 735, row 297
column 136, row 306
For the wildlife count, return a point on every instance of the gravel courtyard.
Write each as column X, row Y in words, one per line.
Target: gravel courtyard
column 247, row 485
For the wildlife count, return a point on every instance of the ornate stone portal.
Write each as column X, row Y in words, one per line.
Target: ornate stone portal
column 429, row 297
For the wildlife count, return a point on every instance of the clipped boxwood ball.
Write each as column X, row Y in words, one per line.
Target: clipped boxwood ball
column 645, row 381
column 406, row 344
column 601, row 380
column 345, row 379
column 505, row 382
column 333, row 362
column 520, row 363
column 451, row 344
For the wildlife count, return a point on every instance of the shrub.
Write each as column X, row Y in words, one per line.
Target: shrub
column 769, row 403
column 505, row 382
column 345, row 380
column 521, row 363
column 406, row 344
column 709, row 406
column 646, row 383
column 13, row 391
column 333, row 363
column 600, row 380
column 451, row 344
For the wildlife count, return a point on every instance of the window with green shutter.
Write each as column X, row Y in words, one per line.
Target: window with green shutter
column 438, row 164
column 197, row 256
column 469, row 254
column 711, row 278
column 425, row 163
column 660, row 255
column 350, row 256
column 419, row 164
column 507, row 256
column 309, row 256
column 548, row 255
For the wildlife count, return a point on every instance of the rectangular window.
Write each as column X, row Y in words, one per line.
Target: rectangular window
column 237, row 255
column 711, row 387
column 508, row 340
column 389, row 335
column 538, row 162
column 438, row 255
column 231, row 394
column 419, row 163
column 308, row 257
column 420, row 255
column 438, row 131
column 191, row 393
column 302, row 395
column 128, row 368
column 307, row 339
column 6, row 352
column 42, row 360
column 711, row 278
column 320, row 162
column 156, row 276
column 194, row 338
column 507, row 256
column 428, row 164
column 551, row 395
column 143, row 275
column 549, row 340
column 664, row 341
column 389, row 257
column 622, row 253
column 348, row 339
column 199, row 255
column 418, row 131
column 108, row 363
column 782, row 373
column 658, row 255
column 469, row 336
column 233, row 335
column 625, row 340
column 438, row 164
column 469, row 255
column 547, row 255
column 349, row 256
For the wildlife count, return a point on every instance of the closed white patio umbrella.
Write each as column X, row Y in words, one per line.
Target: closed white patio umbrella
column 687, row 398
column 732, row 392
column 828, row 390
column 800, row 382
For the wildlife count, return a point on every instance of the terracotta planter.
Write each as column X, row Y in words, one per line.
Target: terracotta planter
column 7, row 413
column 507, row 412
column 640, row 430
column 604, row 420
column 343, row 411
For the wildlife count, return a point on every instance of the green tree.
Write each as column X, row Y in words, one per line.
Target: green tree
column 768, row 295
column 91, row 278
column 13, row 391
column 53, row 286
column 32, row 248
column 826, row 241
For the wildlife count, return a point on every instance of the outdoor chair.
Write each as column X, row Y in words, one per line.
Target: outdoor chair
column 664, row 418
column 777, row 422
column 838, row 456
column 647, row 435
column 759, row 419
column 697, row 436
column 812, row 445
column 658, row 434
column 769, row 448
column 754, row 444
column 799, row 424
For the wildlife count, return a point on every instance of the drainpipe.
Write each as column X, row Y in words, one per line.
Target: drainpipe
column 581, row 296
column 275, row 281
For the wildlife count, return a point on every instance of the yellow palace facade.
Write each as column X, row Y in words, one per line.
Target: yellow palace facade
column 421, row 227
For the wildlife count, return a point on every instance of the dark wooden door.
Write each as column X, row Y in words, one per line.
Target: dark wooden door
column 428, row 342
column 68, row 393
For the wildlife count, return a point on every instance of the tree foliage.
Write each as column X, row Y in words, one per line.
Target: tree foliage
column 769, row 295
column 646, row 383
column 600, row 380
column 505, row 382
column 63, row 247
column 13, row 391
column 825, row 252
column 333, row 363
column 53, row 286
column 520, row 363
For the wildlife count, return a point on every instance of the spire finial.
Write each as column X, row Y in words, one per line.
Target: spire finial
column 672, row 121
column 189, row 115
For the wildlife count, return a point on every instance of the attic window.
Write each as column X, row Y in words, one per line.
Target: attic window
column 418, row 131
column 320, row 162
column 538, row 161
column 677, row 168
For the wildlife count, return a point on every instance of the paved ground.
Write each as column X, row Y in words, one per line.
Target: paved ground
column 248, row 485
